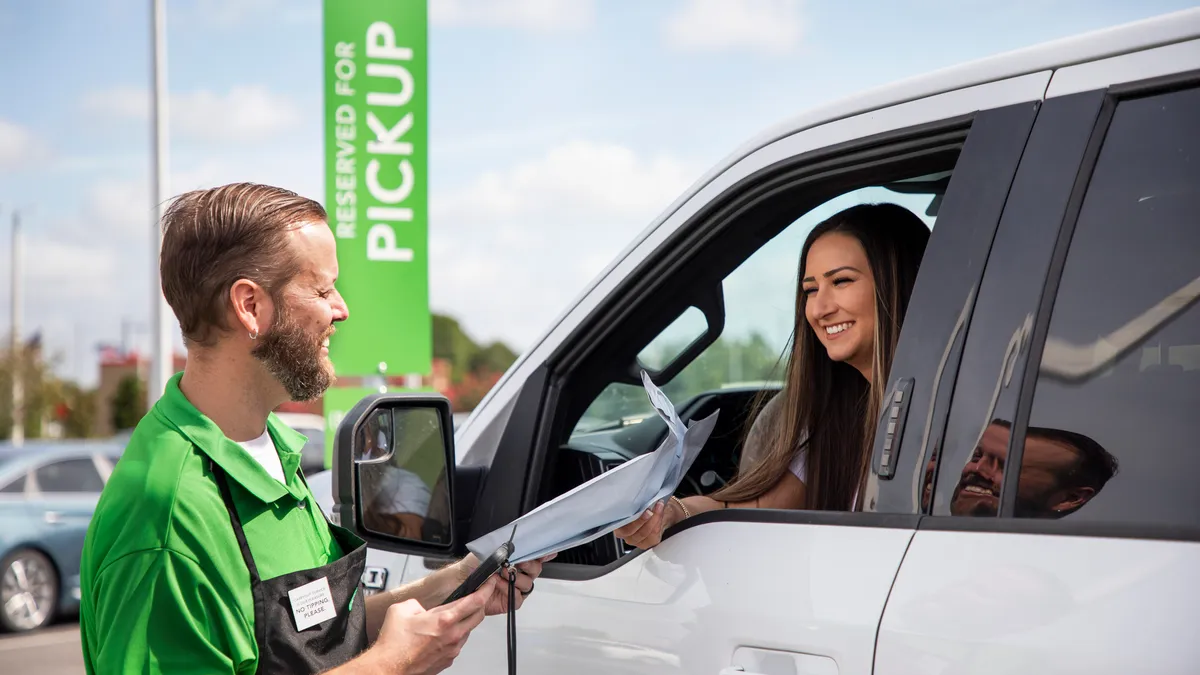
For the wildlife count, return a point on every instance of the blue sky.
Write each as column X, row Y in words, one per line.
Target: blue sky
column 589, row 116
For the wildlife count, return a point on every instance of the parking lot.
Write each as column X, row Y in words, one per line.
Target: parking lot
column 53, row 651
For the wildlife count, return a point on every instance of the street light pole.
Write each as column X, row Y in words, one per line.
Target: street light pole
column 160, row 314
column 18, row 352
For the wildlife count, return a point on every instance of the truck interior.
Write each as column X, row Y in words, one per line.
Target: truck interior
column 696, row 330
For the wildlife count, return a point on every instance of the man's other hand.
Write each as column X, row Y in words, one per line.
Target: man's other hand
column 414, row 641
column 527, row 572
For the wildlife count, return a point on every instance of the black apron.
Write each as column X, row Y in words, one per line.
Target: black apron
column 283, row 649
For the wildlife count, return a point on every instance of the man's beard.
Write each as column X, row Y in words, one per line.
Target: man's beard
column 293, row 356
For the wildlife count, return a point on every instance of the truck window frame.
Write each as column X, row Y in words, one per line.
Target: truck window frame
column 827, row 172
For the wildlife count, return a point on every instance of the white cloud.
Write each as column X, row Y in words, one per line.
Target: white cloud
column 533, row 15
column 121, row 101
column 89, row 270
column 594, row 181
column 118, row 205
column 123, row 206
column 19, row 147
column 68, row 270
column 212, row 173
column 244, row 113
column 77, row 292
column 509, row 250
column 234, row 13
column 766, row 26
column 230, row 12
column 297, row 169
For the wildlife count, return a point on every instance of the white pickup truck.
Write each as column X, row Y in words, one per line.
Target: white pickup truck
column 1056, row 299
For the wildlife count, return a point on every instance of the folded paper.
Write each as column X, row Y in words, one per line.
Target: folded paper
column 610, row 500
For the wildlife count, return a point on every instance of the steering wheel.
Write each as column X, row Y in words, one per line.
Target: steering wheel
column 693, row 485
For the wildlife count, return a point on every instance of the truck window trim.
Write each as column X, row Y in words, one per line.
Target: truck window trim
column 893, row 152
column 899, row 521
column 1113, row 96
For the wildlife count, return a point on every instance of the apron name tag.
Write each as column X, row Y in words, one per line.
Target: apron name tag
column 312, row 603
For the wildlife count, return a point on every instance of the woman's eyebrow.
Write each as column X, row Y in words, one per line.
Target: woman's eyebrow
column 832, row 272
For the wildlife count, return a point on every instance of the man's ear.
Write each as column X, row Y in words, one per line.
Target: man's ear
column 1074, row 499
column 252, row 307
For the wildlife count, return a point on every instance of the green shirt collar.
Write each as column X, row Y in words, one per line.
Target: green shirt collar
column 228, row 454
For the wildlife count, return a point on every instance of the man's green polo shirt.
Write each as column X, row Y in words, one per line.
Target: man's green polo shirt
column 165, row 588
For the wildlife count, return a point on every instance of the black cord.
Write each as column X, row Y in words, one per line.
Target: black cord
column 512, row 620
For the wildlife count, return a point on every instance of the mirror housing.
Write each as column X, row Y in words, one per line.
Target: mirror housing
column 394, row 474
column 711, row 304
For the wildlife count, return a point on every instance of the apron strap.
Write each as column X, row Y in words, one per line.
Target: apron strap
column 256, row 589
column 512, row 620
column 227, row 496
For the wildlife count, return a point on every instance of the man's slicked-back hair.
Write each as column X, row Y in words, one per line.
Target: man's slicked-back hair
column 214, row 237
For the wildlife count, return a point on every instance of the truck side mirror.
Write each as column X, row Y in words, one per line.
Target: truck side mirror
column 393, row 473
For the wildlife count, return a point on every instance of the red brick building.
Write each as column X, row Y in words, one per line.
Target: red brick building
column 114, row 367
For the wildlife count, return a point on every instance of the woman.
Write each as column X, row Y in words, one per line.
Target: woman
column 812, row 443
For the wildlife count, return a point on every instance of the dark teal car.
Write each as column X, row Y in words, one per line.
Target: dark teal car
column 48, row 491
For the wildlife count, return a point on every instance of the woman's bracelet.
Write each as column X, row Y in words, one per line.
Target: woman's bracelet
column 686, row 513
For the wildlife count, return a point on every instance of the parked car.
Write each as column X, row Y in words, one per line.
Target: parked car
column 48, row 491
column 1057, row 300
column 312, row 455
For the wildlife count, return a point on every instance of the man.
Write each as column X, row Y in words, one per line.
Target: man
column 1061, row 471
column 206, row 540
column 401, row 502
column 394, row 500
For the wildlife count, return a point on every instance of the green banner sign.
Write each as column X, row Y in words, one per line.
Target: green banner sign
column 376, row 182
column 376, row 186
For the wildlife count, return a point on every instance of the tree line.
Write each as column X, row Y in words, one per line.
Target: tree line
column 729, row 361
column 51, row 401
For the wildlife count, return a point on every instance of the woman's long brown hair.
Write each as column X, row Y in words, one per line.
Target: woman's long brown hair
column 829, row 410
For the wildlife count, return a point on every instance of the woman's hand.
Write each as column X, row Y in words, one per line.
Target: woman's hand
column 646, row 531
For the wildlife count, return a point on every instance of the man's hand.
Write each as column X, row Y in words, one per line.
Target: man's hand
column 432, row 590
column 413, row 641
column 498, row 602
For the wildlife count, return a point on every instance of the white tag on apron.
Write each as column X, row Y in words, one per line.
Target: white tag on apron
column 312, row 603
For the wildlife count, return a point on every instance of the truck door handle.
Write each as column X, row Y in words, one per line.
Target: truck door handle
column 53, row 517
column 753, row 661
